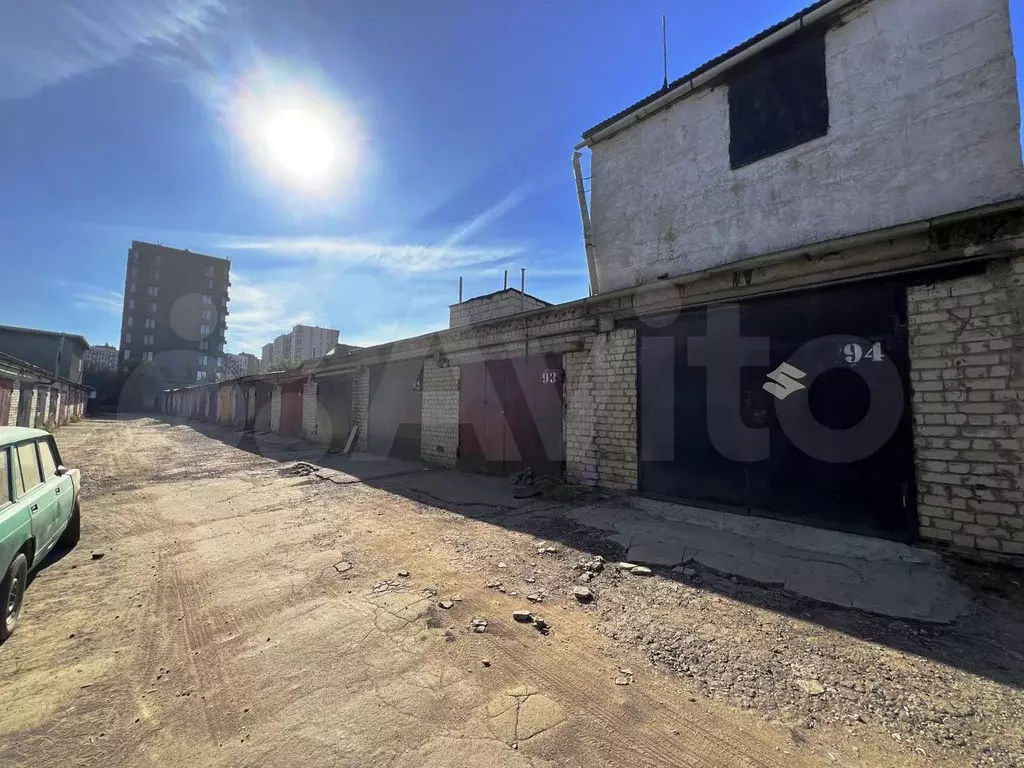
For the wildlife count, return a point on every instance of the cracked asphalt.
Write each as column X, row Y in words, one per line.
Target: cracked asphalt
column 216, row 630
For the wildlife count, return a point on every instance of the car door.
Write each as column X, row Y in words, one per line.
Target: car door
column 37, row 496
column 10, row 522
column 63, row 486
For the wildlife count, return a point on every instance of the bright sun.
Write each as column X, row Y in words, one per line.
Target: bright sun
column 299, row 136
column 300, row 144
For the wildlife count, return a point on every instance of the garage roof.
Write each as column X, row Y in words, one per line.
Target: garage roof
column 589, row 133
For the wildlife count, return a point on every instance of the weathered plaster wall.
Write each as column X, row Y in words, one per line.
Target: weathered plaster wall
column 924, row 121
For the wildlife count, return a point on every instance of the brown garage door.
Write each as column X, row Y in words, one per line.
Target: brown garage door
column 396, row 408
column 510, row 416
column 291, row 408
column 334, row 396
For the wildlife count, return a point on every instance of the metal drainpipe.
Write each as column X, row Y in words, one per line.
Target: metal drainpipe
column 588, row 241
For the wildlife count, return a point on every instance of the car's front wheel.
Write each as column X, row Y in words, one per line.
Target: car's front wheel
column 12, row 593
column 72, row 531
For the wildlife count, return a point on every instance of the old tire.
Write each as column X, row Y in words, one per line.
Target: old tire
column 73, row 530
column 12, row 594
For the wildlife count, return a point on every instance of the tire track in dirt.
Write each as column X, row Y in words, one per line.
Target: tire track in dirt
column 566, row 675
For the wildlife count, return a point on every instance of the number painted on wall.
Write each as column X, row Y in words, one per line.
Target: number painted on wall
column 854, row 353
column 549, row 377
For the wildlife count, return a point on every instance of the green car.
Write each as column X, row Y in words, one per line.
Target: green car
column 38, row 510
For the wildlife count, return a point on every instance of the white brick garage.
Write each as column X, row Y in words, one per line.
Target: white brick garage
column 967, row 366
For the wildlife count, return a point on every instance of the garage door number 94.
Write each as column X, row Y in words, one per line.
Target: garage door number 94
column 854, row 353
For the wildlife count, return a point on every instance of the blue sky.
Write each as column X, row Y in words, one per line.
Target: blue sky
column 121, row 119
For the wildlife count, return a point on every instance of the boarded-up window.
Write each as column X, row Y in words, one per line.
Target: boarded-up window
column 779, row 99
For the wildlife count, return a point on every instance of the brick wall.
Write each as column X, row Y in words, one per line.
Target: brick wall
column 33, row 408
column 440, row 430
column 492, row 306
column 309, row 410
column 12, row 415
column 967, row 373
column 361, row 406
column 600, row 413
column 275, row 409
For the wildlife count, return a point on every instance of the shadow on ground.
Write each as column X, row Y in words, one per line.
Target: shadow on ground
column 988, row 641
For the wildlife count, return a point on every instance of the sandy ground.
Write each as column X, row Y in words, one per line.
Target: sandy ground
column 244, row 613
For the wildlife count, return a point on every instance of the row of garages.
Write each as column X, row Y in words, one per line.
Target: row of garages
column 794, row 406
column 510, row 411
column 31, row 397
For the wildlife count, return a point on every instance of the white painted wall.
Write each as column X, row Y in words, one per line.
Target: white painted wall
column 924, row 121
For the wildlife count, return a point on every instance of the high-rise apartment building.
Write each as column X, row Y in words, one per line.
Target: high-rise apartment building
column 175, row 311
column 283, row 347
column 309, row 341
column 303, row 342
column 242, row 364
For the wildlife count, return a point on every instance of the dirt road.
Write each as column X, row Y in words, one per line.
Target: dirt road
column 244, row 613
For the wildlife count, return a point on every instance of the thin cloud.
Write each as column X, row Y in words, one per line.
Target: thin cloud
column 46, row 42
column 402, row 257
column 89, row 298
column 259, row 312
column 485, row 219
column 452, row 252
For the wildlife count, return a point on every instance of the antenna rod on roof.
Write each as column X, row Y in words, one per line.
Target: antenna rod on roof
column 460, row 290
column 506, row 281
column 664, row 53
column 522, row 280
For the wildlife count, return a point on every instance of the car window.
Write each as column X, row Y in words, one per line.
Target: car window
column 30, row 476
column 47, row 460
column 5, row 478
column 19, row 486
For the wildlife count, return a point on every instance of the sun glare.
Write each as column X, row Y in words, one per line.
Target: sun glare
column 295, row 135
column 300, row 144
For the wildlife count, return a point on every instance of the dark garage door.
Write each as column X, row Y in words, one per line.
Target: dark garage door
column 238, row 393
column 291, row 408
column 510, row 415
column 6, row 388
column 792, row 406
column 396, row 408
column 264, row 394
column 334, row 395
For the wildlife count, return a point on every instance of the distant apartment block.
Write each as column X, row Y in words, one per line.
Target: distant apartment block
column 102, row 357
column 175, row 311
column 304, row 342
column 282, row 348
column 242, row 364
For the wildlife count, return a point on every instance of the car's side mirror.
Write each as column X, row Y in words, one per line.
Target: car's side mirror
column 61, row 470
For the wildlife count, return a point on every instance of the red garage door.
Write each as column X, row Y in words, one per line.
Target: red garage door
column 510, row 416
